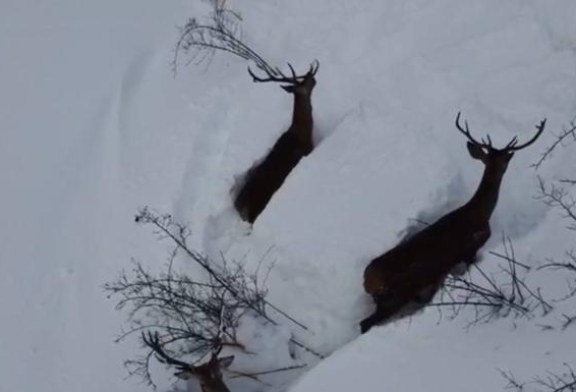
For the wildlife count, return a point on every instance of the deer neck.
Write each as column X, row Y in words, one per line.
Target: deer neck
column 485, row 198
column 302, row 122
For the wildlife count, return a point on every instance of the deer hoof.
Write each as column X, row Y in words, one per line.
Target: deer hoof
column 365, row 325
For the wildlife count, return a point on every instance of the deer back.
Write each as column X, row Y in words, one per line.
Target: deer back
column 266, row 177
column 426, row 256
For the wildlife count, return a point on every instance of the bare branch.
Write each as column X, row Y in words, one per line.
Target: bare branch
column 254, row 375
column 560, row 139
column 492, row 296
column 552, row 382
column 192, row 318
column 178, row 233
column 513, row 384
column 558, row 197
column 200, row 39
column 178, row 316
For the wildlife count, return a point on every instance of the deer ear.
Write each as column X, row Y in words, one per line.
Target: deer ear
column 224, row 362
column 289, row 89
column 476, row 151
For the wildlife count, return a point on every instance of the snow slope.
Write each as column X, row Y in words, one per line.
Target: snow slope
column 94, row 125
column 75, row 162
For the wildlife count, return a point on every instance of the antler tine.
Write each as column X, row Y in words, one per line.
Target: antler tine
column 293, row 72
column 540, row 129
column 512, row 143
column 256, row 78
column 272, row 75
column 214, row 354
column 466, row 131
column 276, row 75
column 314, row 67
column 152, row 340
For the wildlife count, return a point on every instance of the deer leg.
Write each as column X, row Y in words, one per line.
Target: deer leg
column 461, row 268
column 425, row 295
column 385, row 308
column 471, row 258
column 469, row 254
column 480, row 238
column 468, row 259
column 369, row 322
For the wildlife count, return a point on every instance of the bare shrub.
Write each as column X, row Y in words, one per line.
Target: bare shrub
column 501, row 294
column 181, row 320
column 551, row 382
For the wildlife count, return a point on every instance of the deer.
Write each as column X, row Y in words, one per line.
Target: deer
column 208, row 374
column 265, row 178
column 414, row 270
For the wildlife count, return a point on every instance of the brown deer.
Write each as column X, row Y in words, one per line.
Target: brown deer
column 264, row 179
column 413, row 271
column 208, row 374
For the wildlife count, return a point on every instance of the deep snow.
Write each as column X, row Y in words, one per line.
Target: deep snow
column 94, row 125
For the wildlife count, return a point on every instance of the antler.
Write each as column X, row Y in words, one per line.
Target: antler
column 314, row 67
column 152, row 340
column 512, row 145
column 485, row 143
column 294, row 79
column 214, row 355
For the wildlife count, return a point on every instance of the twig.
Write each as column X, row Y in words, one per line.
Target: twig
column 490, row 297
column 220, row 33
column 568, row 320
column 552, row 382
column 504, row 257
column 255, row 375
column 166, row 227
column 145, row 216
column 512, row 382
column 566, row 132
column 558, row 197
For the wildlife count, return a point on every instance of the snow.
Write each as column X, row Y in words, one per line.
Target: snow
column 94, row 125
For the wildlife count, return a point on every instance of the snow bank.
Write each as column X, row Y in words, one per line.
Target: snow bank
column 94, row 126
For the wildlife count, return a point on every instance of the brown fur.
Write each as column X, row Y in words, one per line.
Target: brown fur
column 264, row 179
column 415, row 269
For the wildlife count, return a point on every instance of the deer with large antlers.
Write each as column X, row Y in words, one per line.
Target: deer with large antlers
column 414, row 270
column 208, row 374
column 264, row 179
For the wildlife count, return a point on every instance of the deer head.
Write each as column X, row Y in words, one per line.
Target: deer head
column 294, row 84
column 489, row 155
column 495, row 160
column 208, row 374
